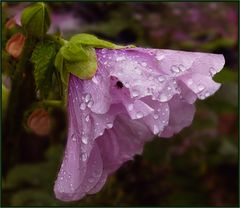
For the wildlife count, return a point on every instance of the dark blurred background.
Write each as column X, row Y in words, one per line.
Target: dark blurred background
column 197, row 167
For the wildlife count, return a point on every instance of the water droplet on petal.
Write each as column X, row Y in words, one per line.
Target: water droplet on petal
column 139, row 114
column 83, row 106
column 144, row 64
column 163, row 98
column 130, row 107
column 181, row 67
column 155, row 129
column 150, row 78
column 212, row 71
column 87, row 118
column 74, row 138
column 135, row 93
column 84, row 139
column 155, row 116
column 161, row 78
column 159, row 57
column 109, row 125
column 88, row 98
column 175, row 69
column 120, row 58
column 90, row 104
column 84, row 156
column 190, row 82
column 200, row 87
column 207, row 94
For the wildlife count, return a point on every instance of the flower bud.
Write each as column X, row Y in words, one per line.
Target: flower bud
column 40, row 122
column 36, row 19
column 11, row 23
column 15, row 45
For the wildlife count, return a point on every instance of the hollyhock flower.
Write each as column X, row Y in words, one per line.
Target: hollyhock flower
column 135, row 94
column 40, row 122
column 15, row 45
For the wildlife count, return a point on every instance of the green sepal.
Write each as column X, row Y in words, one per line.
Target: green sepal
column 91, row 40
column 73, row 52
column 36, row 20
column 59, row 64
column 84, row 69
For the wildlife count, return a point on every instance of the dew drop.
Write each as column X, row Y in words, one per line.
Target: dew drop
column 161, row 78
column 87, row 118
column 90, row 104
column 190, row 82
column 212, row 71
column 150, row 78
column 130, row 107
column 182, row 68
column 155, row 116
column 207, row 94
column 109, row 125
column 88, row 98
column 175, row 69
column 74, row 139
column 200, row 87
column 120, row 58
column 163, row 98
column 84, row 156
column 84, row 139
column 139, row 114
column 144, row 64
column 155, row 129
column 159, row 57
column 135, row 93
column 83, row 106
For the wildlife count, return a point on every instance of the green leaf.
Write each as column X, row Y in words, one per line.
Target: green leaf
column 36, row 19
column 59, row 64
column 73, row 52
column 42, row 57
column 84, row 69
column 91, row 40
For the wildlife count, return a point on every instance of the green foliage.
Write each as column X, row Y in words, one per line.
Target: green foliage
column 84, row 69
column 73, row 52
column 43, row 57
column 91, row 40
column 36, row 20
column 59, row 64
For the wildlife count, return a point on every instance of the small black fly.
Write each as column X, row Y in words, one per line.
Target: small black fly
column 119, row 85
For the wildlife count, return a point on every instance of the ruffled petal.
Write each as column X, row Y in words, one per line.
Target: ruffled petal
column 181, row 116
column 135, row 94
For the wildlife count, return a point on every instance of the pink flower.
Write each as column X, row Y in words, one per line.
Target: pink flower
column 136, row 94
